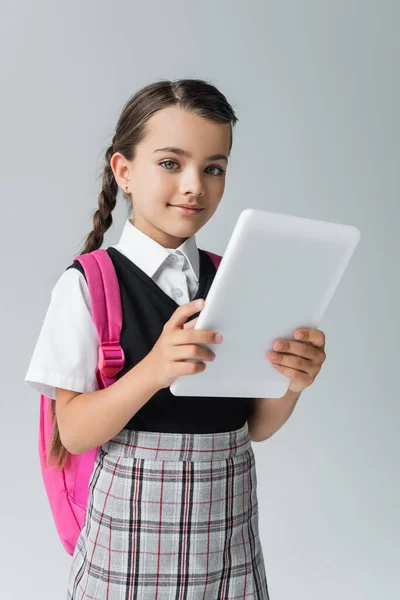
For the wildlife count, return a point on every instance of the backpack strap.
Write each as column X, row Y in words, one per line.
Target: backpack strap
column 106, row 308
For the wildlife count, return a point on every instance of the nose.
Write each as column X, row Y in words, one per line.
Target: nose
column 192, row 184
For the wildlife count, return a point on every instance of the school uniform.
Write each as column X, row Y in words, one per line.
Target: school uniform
column 172, row 509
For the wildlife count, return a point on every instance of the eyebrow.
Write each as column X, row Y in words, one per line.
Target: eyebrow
column 182, row 152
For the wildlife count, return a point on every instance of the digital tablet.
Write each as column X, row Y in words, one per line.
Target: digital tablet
column 278, row 274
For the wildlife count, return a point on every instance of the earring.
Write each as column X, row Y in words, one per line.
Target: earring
column 126, row 189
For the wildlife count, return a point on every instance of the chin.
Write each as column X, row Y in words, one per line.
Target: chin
column 185, row 230
column 182, row 230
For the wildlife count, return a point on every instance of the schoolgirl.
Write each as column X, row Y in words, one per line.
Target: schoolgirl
column 172, row 510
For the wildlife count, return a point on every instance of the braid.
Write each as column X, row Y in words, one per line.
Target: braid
column 102, row 218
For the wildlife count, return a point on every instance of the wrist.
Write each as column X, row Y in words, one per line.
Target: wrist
column 149, row 371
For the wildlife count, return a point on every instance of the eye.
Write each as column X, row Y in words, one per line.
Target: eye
column 221, row 171
column 168, row 161
column 165, row 162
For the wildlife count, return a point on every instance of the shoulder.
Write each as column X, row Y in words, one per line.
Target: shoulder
column 66, row 351
column 77, row 266
column 71, row 287
column 73, row 283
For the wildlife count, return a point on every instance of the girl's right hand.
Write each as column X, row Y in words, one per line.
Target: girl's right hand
column 177, row 342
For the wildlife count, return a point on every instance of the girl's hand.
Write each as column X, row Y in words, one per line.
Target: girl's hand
column 301, row 361
column 178, row 342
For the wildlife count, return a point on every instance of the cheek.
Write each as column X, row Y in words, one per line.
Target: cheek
column 162, row 188
column 154, row 189
column 216, row 189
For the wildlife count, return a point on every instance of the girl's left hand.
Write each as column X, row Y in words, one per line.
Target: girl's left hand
column 300, row 360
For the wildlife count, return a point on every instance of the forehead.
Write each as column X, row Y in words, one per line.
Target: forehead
column 173, row 126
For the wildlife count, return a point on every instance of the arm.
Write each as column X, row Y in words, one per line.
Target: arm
column 88, row 420
column 269, row 414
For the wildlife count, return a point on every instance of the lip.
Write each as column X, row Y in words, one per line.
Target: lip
column 187, row 209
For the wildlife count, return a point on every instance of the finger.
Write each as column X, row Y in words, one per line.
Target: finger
column 313, row 336
column 298, row 349
column 194, row 336
column 182, row 313
column 190, row 324
column 192, row 352
column 298, row 376
column 297, row 363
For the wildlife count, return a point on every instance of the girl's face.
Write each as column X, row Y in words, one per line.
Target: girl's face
column 192, row 174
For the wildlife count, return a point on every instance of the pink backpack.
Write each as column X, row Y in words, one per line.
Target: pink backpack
column 67, row 488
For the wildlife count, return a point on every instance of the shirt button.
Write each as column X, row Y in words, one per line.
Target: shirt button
column 177, row 292
column 173, row 258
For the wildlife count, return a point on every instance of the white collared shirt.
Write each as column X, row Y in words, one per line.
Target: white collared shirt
column 66, row 350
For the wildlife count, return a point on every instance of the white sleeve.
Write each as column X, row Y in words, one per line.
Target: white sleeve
column 66, row 351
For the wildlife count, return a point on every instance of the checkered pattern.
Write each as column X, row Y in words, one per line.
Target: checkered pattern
column 171, row 516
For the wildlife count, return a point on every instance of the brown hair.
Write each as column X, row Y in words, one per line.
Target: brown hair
column 193, row 95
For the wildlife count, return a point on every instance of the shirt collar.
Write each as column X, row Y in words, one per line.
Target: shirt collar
column 149, row 255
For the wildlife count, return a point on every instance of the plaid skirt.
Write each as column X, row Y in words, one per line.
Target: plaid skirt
column 171, row 516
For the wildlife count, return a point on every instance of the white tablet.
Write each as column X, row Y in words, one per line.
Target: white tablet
column 278, row 273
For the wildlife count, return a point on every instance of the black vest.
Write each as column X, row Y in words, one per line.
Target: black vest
column 146, row 308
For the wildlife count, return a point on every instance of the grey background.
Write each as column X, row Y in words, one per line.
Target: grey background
column 316, row 88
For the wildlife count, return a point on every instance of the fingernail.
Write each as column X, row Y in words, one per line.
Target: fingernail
column 199, row 303
column 218, row 338
column 299, row 336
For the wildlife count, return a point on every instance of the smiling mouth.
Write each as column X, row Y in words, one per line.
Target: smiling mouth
column 185, row 210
